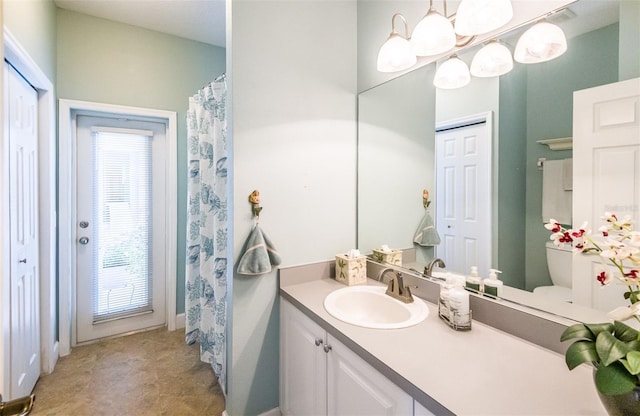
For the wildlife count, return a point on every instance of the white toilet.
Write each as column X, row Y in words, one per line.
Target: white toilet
column 559, row 264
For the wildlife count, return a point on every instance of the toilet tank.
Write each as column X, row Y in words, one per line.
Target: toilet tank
column 559, row 263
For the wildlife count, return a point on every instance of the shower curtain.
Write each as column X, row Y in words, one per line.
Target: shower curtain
column 206, row 258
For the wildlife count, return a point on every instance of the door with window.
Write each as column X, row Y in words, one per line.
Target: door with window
column 120, row 225
column 463, row 194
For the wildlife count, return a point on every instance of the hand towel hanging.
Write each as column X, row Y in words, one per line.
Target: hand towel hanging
column 259, row 254
column 426, row 234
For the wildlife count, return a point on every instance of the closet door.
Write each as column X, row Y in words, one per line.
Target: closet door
column 23, row 211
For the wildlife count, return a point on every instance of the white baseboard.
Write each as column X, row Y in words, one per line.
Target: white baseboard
column 180, row 320
column 272, row 412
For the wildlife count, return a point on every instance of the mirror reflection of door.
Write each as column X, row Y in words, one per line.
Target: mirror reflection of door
column 606, row 124
column 463, row 195
column 120, row 226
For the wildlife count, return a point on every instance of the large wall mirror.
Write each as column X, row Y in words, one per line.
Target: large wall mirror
column 397, row 123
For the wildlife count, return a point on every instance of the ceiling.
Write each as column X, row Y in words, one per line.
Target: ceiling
column 200, row 20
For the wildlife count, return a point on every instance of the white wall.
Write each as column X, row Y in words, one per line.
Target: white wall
column 293, row 98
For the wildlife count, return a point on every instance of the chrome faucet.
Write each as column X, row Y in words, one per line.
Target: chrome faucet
column 396, row 288
column 435, row 262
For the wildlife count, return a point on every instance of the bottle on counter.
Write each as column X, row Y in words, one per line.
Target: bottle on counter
column 459, row 305
column 473, row 282
column 493, row 286
column 443, row 299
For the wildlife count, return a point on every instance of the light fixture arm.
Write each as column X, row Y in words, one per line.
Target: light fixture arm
column 393, row 25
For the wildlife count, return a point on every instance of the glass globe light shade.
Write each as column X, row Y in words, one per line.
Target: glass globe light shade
column 492, row 60
column 433, row 35
column 543, row 42
column 453, row 73
column 396, row 54
column 475, row 17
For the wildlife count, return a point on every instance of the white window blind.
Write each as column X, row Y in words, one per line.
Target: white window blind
column 122, row 213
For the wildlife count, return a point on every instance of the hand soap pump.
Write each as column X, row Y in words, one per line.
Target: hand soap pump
column 493, row 286
column 474, row 283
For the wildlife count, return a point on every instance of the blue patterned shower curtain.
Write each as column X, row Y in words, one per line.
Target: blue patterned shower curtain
column 206, row 268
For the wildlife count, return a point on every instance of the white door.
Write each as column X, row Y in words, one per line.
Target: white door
column 463, row 195
column 356, row 388
column 606, row 175
column 120, row 226
column 303, row 378
column 23, row 211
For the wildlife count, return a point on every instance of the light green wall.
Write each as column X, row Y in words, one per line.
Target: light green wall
column 108, row 62
column 33, row 24
column 396, row 135
column 591, row 59
column 511, row 171
column 293, row 95
column 629, row 39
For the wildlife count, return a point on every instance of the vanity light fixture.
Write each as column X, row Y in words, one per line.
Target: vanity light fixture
column 542, row 42
column 396, row 54
column 434, row 34
column 475, row 17
column 452, row 73
column 493, row 60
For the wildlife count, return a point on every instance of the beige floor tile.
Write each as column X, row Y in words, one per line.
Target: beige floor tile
column 150, row 373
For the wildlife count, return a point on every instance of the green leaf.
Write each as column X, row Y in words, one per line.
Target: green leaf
column 581, row 352
column 624, row 332
column 577, row 331
column 609, row 348
column 632, row 363
column 614, row 379
column 598, row 328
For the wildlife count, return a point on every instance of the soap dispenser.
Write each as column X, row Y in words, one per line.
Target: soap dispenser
column 493, row 286
column 473, row 282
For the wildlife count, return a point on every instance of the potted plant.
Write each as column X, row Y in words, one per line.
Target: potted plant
column 613, row 349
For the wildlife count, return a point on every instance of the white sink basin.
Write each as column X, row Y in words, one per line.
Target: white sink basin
column 370, row 307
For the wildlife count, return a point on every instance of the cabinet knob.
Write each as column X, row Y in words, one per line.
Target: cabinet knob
column 318, row 342
column 327, row 348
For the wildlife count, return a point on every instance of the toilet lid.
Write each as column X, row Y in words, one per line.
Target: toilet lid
column 556, row 292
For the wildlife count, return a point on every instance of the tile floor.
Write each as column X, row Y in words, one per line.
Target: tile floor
column 149, row 373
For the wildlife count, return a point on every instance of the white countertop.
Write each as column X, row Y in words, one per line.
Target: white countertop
column 479, row 372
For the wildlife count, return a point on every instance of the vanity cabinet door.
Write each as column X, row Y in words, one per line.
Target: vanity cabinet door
column 356, row 388
column 303, row 373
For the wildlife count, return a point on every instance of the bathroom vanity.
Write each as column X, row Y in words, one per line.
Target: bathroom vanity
column 331, row 367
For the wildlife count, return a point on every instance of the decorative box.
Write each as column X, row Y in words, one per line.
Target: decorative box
column 391, row 257
column 351, row 271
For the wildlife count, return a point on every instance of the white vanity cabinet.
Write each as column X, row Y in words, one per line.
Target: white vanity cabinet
column 321, row 376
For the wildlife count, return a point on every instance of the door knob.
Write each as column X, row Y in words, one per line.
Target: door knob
column 327, row 348
column 84, row 240
column 318, row 342
column 84, row 224
column 23, row 261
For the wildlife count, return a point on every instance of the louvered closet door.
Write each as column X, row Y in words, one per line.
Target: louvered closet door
column 120, row 230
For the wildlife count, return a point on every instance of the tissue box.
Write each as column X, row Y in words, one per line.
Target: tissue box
column 351, row 271
column 392, row 257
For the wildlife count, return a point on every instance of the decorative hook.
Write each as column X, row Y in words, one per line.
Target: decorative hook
column 425, row 198
column 254, row 200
